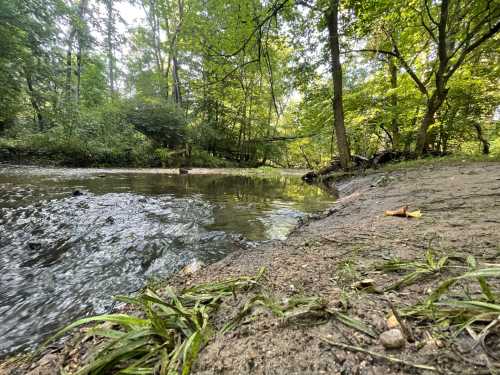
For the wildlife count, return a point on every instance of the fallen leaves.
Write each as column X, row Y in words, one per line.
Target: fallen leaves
column 403, row 212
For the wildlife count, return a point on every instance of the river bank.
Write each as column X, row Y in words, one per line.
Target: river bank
column 345, row 256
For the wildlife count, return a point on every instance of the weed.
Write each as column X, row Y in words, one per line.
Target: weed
column 462, row 312
column 167, row 334
column 346, row 273
column 414, row 270
column 165, row 337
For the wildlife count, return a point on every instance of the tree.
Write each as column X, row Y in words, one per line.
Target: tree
column 110, row 46
column 338, row 108
column 453, row 30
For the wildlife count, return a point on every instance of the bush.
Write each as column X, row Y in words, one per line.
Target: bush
column 164, row 123
column 202, row 158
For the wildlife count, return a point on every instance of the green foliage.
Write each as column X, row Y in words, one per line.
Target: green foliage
column 464, row 311
column 168, row 336
column 202, row 158
column 164, row 123
column 245, row 82
column 167, row 330
column 414, row 270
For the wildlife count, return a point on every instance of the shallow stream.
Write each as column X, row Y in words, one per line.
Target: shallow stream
column 64, row 256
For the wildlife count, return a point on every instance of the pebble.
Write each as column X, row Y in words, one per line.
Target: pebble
column 392, row 339
column 193, row 267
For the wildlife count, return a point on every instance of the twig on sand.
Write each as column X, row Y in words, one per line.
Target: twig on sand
column 404, row 327
column 376, row 355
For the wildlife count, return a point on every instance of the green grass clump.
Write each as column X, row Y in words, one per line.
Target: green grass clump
column 446, row 308
column 414, row 270
column 165, row 334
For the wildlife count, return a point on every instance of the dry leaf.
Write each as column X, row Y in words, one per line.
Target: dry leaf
column 415, row 214
column 392, row 322
column 403, row 212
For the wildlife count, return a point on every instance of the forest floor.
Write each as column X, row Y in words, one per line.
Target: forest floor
column 338, row 254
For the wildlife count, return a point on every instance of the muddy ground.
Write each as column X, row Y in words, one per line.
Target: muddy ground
column 329, row 256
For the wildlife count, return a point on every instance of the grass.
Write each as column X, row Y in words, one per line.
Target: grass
column 461, row 310
column 299, row 310
column 414, row 270
column 165, row 334
column 444, row 306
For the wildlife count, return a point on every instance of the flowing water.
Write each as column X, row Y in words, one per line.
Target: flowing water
column 64, row 256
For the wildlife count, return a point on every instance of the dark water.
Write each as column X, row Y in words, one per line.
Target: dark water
column 63, row 256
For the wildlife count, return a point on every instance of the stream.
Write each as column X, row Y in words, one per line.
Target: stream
column 63, row 256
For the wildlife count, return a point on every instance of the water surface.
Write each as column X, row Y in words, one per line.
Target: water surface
column 64, row 256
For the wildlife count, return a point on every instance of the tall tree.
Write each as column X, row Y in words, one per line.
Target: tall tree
column 110, row 45
column 332, row 16
column 393, row 72
column 452, row 31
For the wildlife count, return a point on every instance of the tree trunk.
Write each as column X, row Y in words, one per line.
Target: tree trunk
column 176, row 89
column 109, row 47
column 69, row 62
column 433, row 105
column 152, row 14
column 396, row 138
column 81, row 30
column 338, row 109
column 34, row 102
column 480, row 136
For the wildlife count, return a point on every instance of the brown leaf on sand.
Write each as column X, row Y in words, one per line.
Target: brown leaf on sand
column 403, row 212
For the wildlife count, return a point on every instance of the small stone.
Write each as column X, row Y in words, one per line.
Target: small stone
column 392, row 339
column 193, row 267
column 34, row 245
column 365, row 283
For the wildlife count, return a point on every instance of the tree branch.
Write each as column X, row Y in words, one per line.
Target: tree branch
column 429, row 13
column 275, row 8
column 383, row 52
column 491, row 32
column 407, row 67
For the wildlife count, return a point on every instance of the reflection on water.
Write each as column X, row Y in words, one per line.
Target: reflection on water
column 64, row 256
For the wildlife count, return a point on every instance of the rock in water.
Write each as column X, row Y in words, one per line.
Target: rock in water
column 392, row 339
column 77, row 193
column 193, row 267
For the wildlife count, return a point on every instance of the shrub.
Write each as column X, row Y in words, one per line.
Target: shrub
column 164, row 123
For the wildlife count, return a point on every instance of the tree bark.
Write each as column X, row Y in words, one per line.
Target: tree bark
column 338, row 109
column 109, row 47
column 485, row 145
column 176, row 86
column 396, row 138
column 433, row 105
column 33, row 100
column 81, row 40
column 69, row 68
